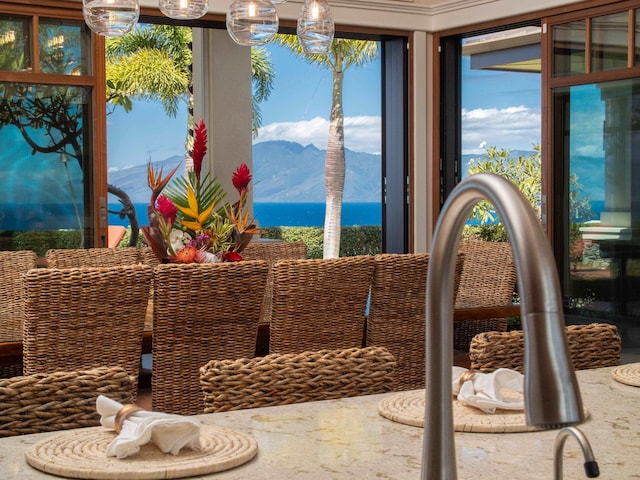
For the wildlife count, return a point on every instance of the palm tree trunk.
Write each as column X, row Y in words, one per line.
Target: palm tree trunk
column 334, row 172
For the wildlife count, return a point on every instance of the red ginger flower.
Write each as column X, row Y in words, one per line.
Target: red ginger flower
column 232, row 257
column 199, row 147
column 167, row 209
column 241, row 178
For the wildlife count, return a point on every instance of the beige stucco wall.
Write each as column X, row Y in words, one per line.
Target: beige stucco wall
column 222, row 97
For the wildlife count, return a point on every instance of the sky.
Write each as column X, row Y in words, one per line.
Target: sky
column 498, row 110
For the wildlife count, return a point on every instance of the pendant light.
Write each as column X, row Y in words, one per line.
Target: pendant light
column 183, row 9
column 111, row 18
column 315, row 27
column 252, row 22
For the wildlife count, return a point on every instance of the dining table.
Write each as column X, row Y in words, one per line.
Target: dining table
column 11, row 349
column 350, row 438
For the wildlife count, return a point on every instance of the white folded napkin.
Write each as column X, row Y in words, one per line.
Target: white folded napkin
column 168, row 432
column 486, row 390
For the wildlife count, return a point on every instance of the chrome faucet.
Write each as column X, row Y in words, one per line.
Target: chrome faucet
column 591, row 469
column 552, row 396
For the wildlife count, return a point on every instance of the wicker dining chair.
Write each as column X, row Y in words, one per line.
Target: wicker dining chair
column 201, row 312
column 281, row 379
column 488, row 279
column 46, row 402
column 13, row 266
column 79, row 318
column 91, row 257
column 270, row 252
column 147, row 257
column 319, row 303
column 397, row 313
column 590, row 346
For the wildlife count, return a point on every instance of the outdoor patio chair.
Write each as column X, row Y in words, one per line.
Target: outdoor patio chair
column 79, row 318
column 91, row 257
column 319, row 303
column 397, row 313
column 46, row 402
column 201, row 312
column 281, row 379
column 270, row 251
column 590, row 346
column 115, row 234
column 488, row 279
column 13, row 266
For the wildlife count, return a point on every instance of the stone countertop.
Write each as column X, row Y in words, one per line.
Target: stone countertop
column 344, row 439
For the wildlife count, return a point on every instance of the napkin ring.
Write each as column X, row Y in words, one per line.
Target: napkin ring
column 122, row 414
column 465, row 377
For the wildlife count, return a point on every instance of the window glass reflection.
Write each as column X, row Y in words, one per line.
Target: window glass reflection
column 15, row 50
column 64, row 47
column 42, row 157
column 569, row 48
column 603, row 241
column 609, row 39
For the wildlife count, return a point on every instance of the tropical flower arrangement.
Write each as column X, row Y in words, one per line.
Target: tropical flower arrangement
column 189, row 219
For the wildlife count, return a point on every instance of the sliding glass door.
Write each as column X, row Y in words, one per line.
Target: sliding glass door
column 595, row 137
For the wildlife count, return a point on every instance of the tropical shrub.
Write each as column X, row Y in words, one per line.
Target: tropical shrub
column 356, row 240
column 525, row 172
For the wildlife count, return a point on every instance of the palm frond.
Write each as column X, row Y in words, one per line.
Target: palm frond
column 148, row 75
column 184, row 192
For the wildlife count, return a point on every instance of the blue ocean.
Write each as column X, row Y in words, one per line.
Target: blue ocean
column 285, row 214
column 64, row 216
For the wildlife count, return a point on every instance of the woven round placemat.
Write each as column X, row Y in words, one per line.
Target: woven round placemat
column 628, row 374
column 408, row 408
column 81, row 454
column 404, row 407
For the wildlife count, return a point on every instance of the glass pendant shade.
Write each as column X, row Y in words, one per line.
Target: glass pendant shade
column 183, row 9
column 111, row 18
column 315, row 27
column 252, row 22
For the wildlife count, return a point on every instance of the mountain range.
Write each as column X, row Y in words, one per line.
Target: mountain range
column 283, row 171
column 287, row 172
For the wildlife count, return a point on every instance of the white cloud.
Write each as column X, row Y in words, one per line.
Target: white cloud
column 513, row 128
column 115, row 168
column 361, row 134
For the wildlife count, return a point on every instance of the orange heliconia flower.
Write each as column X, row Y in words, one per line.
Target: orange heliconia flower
column 186, row 255
column 157, row 182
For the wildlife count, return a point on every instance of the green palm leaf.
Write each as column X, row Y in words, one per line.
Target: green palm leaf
column 208, row 192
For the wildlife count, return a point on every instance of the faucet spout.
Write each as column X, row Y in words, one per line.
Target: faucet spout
column 552, row 396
